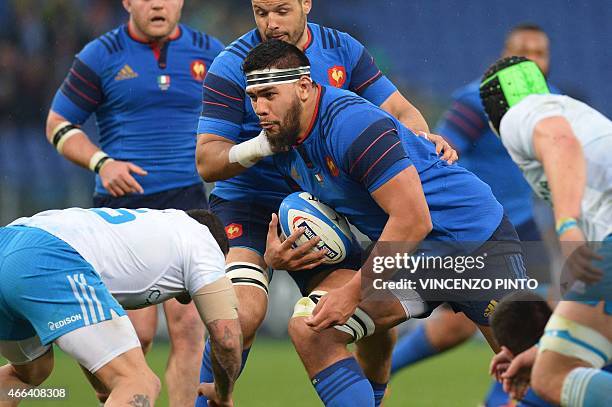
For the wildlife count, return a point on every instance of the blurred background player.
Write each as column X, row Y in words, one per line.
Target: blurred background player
column 143, row 82
column 562, row 147
column 248, row 190
column 465, row 126
column 60, row 270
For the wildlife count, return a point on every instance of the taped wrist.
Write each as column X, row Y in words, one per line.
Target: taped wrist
column 97, row 161
column 248, row 153
column 61, row 133
column 216, row 301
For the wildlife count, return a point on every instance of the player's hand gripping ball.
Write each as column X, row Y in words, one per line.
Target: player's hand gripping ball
column 302, row 209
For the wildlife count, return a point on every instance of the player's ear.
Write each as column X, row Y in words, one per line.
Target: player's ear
column 126, row 5
column 303, row 87
column 306, row 6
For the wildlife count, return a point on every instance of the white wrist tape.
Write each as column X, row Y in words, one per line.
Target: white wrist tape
column 248, row 153
column 61, row 133
column 97, row 161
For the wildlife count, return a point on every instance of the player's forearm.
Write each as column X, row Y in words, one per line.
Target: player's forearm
column 565, row 167
column 74, row 145
column 226, row 343
column 400, row 235
column 212, row 158
column 404, row 111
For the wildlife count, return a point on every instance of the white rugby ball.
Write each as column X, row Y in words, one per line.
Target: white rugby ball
column 302, row 209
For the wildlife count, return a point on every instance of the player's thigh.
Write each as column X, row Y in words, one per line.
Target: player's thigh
column 129, row 366
column 594, row 317
column 184, row 323
column 20, row 354
column 145, row 323
column 383, row 308
column 95, row 345
column 250, row 287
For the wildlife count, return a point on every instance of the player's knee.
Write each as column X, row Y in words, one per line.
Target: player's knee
column 146, row 343
column 37, row 373
column 186, row 333
column 250, row 319
column 301, row 334
column 544, row 382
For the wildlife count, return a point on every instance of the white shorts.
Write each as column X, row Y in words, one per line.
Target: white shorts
column 93, row 346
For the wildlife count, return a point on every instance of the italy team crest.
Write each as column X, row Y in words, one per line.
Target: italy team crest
column 163, row 81
column 198, row 70
column 337, row 76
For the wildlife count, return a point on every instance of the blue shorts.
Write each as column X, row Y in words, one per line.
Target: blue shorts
column 184, row 198
column 306, row 280
column 505, row 260
column 47, row 288
column 246, row 223
column 601, row 291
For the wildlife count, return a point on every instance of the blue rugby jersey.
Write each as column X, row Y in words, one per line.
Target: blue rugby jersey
column 355, row 147
column 466, row 126
column 336, row 59
column 146, row 100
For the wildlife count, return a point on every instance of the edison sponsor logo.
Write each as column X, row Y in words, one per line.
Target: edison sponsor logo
column 63, row 322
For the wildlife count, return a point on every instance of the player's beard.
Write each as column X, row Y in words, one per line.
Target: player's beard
column 289, row 129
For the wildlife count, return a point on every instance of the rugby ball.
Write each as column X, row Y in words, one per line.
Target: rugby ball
column 302, row 209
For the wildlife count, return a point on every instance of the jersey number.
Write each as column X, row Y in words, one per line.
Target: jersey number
column 122, row 216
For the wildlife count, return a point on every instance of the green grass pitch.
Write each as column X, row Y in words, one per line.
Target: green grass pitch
column 274, row 377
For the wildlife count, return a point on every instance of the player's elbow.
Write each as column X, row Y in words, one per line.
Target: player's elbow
column 206, row 172
column 209, row 161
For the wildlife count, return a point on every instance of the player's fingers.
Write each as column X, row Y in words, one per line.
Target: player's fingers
column 273, row 229
column 110, row 189
column 133, row 184
column 313, row 264
column 207, row 390
column 136, row 169
column 114, row 189
column 306, row 247
column 292, row 238
column 123, row 186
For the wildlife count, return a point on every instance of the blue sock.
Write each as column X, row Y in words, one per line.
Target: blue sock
column 344, row 385
column 497, row 397
column 584, row 387
column 379, row 392
column 411, row 348
column 206, row 373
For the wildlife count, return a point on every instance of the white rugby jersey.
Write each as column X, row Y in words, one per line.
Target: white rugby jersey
column 593, row 130
column 144, row 256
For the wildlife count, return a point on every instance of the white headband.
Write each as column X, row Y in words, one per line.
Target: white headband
column 275, row 76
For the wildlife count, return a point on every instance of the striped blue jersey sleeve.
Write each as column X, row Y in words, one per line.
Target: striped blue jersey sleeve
column 81, row 93
column 367, row 80
column 465, row 122
column 374, row 153
column 223, row 97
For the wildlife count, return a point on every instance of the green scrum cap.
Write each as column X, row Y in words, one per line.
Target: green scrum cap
column 506, row 83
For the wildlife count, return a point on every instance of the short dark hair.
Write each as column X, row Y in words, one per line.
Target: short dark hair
column 274, row 54
column 214, row 225
column 524, row 27
column 519, row 320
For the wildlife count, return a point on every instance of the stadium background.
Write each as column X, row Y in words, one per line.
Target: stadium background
column 427, row 47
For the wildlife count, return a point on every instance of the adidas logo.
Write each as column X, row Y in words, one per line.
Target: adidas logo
column 490, row 308
column 126, row 73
